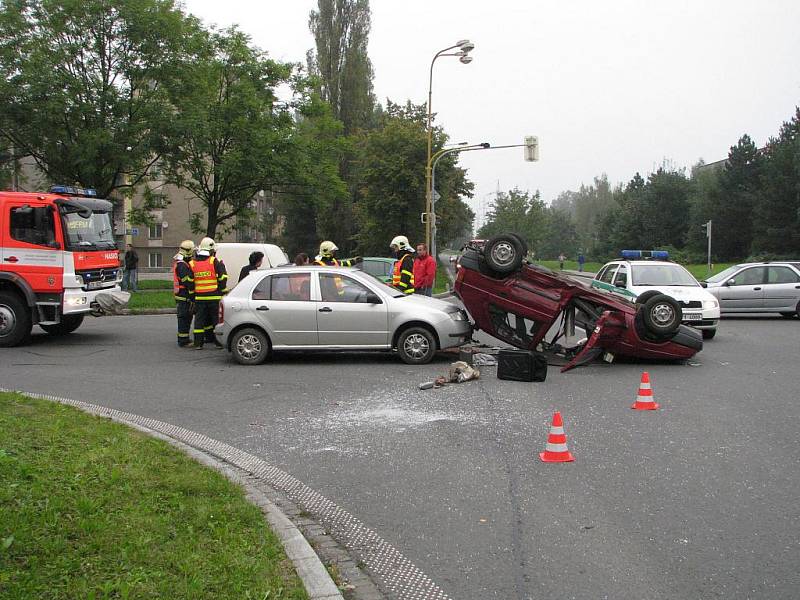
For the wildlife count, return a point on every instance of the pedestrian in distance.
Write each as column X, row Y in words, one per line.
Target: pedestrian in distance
column 183, row 291
column 210, row 284
column 424, row 271
column 581, row 261
column 302, row 259
column 403, row 274
column 130, row 277
column 561, row 259
column 254, row 261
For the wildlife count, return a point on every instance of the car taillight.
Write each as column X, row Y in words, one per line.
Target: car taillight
column 221, row 318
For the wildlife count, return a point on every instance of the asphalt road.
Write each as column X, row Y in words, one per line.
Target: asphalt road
column 696, row 500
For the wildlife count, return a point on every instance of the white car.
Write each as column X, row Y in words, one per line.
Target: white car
column 636, row 279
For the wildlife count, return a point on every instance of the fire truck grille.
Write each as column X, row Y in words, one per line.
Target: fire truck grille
column 99, row 278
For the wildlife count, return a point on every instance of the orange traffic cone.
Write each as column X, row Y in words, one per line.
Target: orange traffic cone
column 644, row 400
column 556, row 449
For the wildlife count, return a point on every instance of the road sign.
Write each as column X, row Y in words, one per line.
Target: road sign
column 134, row 231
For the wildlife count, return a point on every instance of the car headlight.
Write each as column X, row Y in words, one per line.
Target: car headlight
column 710, row 304
column 458, row 315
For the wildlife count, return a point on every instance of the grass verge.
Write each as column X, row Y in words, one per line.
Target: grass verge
column 150, row 300
column 93, row 509
column 154, row 284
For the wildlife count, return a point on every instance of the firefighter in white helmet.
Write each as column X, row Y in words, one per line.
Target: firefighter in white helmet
column 403, row 274
column 327, row 256
column 183, row 291
column 210, row 284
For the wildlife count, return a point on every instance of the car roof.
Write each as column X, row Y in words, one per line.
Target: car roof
column 642, row 262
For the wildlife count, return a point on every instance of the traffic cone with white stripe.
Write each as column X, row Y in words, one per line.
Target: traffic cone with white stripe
column 556, row 449
column 644, row 400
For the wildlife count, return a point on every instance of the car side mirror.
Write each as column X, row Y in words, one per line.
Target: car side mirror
column 703, row 284
column 730, row 282
column 372, row 298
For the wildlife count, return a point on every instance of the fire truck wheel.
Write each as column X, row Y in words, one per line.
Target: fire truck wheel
column 69, row 323
column 15, row 320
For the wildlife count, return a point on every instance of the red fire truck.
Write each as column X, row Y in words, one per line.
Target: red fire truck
column 57, row 253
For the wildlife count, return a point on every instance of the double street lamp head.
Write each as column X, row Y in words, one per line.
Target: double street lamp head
column 465, row 45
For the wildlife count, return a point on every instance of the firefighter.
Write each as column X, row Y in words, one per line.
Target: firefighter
column 327, row 258
column 403, row 274
column 210, row 282
column 183, row 291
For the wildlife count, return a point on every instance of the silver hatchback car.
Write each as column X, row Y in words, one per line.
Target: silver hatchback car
column 333, row 308
column 758, row 287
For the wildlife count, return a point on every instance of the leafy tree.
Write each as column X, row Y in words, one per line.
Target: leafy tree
column 560, row 235
column 341, row 33
column 390, row 176
column 704, row 194
column 231, row 143
column 517, row 212
column 777, row 217
column 309, row 207
column 732, row 209
column 83, row 86
column 664, row 214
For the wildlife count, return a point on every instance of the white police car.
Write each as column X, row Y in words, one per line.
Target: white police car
column 639, row 274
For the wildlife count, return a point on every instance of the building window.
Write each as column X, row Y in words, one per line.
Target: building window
column 154, row 260
column 155, row 231
column 158, row 200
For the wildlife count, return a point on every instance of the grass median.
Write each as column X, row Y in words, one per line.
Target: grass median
column 93, row 509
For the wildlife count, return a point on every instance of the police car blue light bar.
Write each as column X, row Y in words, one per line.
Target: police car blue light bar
column 634, row 254
column 69, row 190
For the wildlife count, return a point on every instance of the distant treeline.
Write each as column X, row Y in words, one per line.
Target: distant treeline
column 752, row 200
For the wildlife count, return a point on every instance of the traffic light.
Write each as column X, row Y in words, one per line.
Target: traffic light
column 531, row 148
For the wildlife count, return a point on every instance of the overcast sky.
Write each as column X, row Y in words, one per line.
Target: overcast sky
column 610, row 87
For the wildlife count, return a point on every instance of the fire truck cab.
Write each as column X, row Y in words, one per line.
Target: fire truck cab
column 57, row 253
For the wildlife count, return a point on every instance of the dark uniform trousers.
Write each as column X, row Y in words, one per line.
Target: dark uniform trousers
column 184, row 322
column 205, row 317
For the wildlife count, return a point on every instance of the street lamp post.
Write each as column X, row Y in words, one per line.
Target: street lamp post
column 464, row 48
column 432, row 169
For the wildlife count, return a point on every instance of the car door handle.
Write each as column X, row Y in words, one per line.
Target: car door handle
column 263, row 308
column 756, row 289
column 11, row 259
column 326, row 309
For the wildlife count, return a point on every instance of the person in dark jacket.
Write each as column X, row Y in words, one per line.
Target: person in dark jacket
column 254, row 262
column 183, row 291
column 130, row 278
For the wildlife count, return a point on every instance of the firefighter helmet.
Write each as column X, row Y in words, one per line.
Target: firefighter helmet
column 401, row 242
column 208, row 244
column 327, row 248
column 186, row 248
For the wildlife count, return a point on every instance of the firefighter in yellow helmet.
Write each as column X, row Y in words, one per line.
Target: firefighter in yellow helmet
column 210, row 284
column 183, row 290
column 327, row 256
column 403, row 274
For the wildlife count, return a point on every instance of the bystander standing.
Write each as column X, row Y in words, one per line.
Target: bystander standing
column 424, row 271
column 130, row 278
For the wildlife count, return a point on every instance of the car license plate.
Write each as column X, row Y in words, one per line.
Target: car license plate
column 692, row 317
column 95, row 285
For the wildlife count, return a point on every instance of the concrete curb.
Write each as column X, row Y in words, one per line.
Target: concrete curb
column 315, row 577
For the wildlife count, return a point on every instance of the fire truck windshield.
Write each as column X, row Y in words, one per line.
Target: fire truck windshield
column 88, row 233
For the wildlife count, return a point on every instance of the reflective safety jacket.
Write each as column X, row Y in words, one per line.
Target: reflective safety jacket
column 210, row 279
column 182, row 281
column 329, row 261
column 403, row 275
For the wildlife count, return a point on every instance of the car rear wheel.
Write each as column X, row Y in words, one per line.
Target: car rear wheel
column 69, row 323
column 250, row 346
column 504, row 253
column 661, row 315
column 416, row 346
column 15, row 320
column 708, row 334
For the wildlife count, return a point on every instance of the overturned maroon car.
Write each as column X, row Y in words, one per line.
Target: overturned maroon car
column 534, row 308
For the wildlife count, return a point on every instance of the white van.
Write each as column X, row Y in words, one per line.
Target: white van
column 236, row 255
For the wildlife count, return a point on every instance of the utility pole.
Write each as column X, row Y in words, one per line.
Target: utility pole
column 707, row 227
